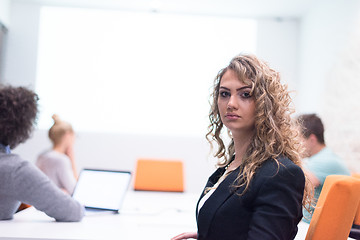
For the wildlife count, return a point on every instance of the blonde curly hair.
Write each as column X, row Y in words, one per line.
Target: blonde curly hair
column 276, row 134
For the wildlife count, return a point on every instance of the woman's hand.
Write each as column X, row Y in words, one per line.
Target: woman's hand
column 70, row 153
column 186, row 235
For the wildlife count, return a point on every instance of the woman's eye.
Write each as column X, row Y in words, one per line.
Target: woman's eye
column 224, row 94
column 246, row 95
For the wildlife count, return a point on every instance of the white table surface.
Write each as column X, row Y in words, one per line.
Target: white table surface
column 144, row 215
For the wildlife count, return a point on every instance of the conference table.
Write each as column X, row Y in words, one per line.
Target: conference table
column 143, row 215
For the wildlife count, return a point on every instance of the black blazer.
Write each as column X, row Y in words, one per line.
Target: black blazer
column 270, row 209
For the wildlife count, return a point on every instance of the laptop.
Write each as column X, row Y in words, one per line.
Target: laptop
column 102, row 189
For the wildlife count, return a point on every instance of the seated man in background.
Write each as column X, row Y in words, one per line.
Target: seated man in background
column 321, row 160
column 20, row 180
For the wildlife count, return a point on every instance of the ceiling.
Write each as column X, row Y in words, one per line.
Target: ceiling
column 229, row 8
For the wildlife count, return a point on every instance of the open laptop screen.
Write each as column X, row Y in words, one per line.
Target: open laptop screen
column 102, row 189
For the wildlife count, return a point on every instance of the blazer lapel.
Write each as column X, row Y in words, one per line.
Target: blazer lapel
column 213, row 179
column 219, row 196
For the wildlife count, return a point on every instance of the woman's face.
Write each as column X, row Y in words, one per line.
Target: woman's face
column 69, row 138
column 236, row 105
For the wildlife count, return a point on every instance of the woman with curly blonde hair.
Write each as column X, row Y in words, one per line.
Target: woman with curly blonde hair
column 258, row 190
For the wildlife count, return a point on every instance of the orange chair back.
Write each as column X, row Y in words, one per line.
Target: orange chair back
column 357, row 215
column 159, row 175
column 335, row 210
column 357, row 175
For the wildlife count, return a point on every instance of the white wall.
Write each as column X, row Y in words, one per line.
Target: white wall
column 330, row 73
column 4, row 21
column 325, row 31
column 277, row 44
column 5, row 12
column 21, row 50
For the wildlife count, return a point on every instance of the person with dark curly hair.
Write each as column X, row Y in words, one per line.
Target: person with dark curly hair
column 259, row 188
column 20, row 180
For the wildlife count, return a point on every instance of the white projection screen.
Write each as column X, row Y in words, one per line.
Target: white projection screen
column 133, row 72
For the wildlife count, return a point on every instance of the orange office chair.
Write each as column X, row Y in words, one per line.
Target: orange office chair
column 159, row 175
column 335, row 210
column 357, row 215
column 355, row 230
column 356, row 175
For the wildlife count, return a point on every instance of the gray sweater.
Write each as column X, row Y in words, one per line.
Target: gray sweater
column 21, row 181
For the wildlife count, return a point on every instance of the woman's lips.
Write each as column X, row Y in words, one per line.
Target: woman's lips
column 231, row 116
